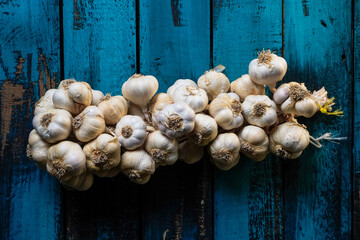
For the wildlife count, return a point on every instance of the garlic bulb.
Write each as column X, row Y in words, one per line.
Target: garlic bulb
column 226, row 110
column 65, row 159
column 214, row 82
column 157, row 104
column 190, row 153
column 113, row 108
column 137, row 165
column 139, row 89
column 180, row 82
column 267, row 69
column 244, row 87
column 53, row 125
column 288, row 140
column 163, row 150
column 176, row 120
column 254, row 142
column 135, row 110
column 259, row 110
column 205, row 130
column 103, row 155
column 37, row 149
column 81, row 93
column 195, row 97
column 45, row 102
column 97, row 96
column 89, row 124
column 224, row 151
column 131, row 132
column 81, row 183
column 295, row 98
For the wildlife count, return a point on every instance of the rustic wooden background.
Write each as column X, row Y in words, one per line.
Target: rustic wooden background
column 104, row 42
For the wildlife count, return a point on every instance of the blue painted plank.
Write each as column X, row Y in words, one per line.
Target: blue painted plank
column 100, row 48
column 29, row 65
column 175, row 43
column 318, row 184
column 247, row 199
column 356, row 124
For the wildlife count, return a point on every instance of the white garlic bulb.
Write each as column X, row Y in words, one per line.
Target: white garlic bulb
column 224, row 151
column 244, row 87
column 180, row 82
column 214, row 82
column 288, row 140
column 53, row 125
column 113, row 108
column 259, row 110
column 190, row 153
column 37, row 149
column 81, row 93
column 226, row 110
column 131, row 132
column 163, row 150
column 65, row 159
column 267, row 69
column 97, row 96
column 254, row 142
column 157, row 104
column 176, row 120
column 81, row 183
column 205, row 130
column 139, row 89
column 103, row 155
column 194, row 96
column 89, row 124
column 137, row 165
column 45, row 102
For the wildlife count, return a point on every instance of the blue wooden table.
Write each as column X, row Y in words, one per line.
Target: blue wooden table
column 104, row 42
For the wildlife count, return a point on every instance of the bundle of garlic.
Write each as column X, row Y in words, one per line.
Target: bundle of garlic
column 80, row 132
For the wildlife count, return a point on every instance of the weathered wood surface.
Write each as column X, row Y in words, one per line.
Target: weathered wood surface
column 317, row 186
column 356, row 123
column 30, row 205
column 247, row 199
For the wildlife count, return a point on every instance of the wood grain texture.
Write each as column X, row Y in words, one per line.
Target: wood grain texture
column 248, row 198
column 318, row 184
column 100, row 48
column 30, row 204
column 175, row 43
column 356, row 124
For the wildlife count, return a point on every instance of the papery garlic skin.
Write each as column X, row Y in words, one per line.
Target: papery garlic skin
column 195, row 97
column 244, row 87
column 131, row 132
column 157, row 104
column 288, row 140
column 267, row 69
column 81, row 93
column 103, row 155
column 65, row 84
column 45, row 102
column 226, row 110
column 135, row 110
column 205, row 130
column 224, row 151
column 89, row 124
column 53, row 125
column 80, row 183
column 137, row 165
column 190, row 153
column 163, row 150
column 176, row 120
column 259, row 110
column 113, row 108
column 65, row 160
column 214, row 83
column 180, row 82
column 37, row 149
column 254, row 142
column 139, row 89
column 97, row 96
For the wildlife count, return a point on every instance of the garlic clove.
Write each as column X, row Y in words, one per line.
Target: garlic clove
column 244, row 87
column 281, row 94
column 131, row 132
column 190, row 153
column 37, row 149
column 97, row 96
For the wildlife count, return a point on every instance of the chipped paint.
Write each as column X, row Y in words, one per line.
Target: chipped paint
column 44, row 75
column 176, row 13
column 305, row 7
column 78, row 16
